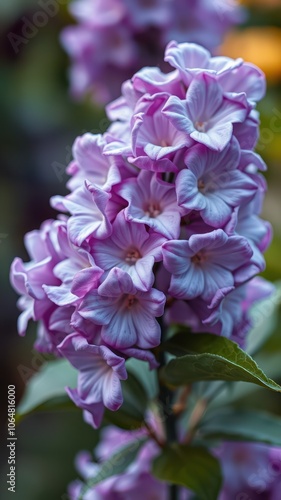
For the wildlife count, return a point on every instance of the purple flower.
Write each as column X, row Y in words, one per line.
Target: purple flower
column 225, row 315
column 245, row 222
column 28, row 279
column 206, row 115
column 196, row 74
column 249, row 469
column 89, row 163
column 234, row 76
column 140, row 354
column 153, row 134
column 88, row 206
column 247, row 132
column 150, row 80
column 133, row 482
column 100, row 372
column 131, row 248
column 153, row 202
column 77, row 273
column 146, row 13
column 229, row 313
column 257, row 289
column 52, row 329
column 99, row 13
column 247, row 78
column 115, row 38
column 98, row 53
column 127, row 314
column 212, row 184
column 191, row 60
column 204, row 264
column 203, row 22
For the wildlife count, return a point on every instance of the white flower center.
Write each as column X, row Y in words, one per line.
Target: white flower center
column 132, row 256
column 152, row 209
column 165, row 143
column 201, row 126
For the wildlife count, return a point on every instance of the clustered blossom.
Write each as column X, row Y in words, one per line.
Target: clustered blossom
column 115, row 38
column 162, row 220
column 137, row 477
column 251, row 471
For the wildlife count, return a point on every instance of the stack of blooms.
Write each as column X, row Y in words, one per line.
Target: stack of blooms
column 251, row 471
column 137, row 477
column 164, row 220
column 115, row 38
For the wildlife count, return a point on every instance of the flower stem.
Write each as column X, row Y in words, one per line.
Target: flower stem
column 169, row 416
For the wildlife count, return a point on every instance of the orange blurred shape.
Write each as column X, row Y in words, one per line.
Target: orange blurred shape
column 258, row 45
column 265, row 4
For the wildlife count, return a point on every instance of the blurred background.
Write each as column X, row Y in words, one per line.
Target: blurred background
column 39, row 123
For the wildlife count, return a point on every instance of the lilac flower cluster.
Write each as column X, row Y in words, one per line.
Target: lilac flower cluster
column 115, row 38
column 163, row 220
column 190, row 135
column 251, row 471
column 134, row 481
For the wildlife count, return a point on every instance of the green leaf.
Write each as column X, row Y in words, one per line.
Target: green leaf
column 60, row 403
column 209, row 357
column 123, row 418
column 189, row 466
column 147, row 377
column 117, row 464
column 134, row 395
column 268, row 362
column 46, row 386
column 241, row 425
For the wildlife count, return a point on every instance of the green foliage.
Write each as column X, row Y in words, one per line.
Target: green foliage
column 134, row 394
column 147, row 377
column 46, row 389
column 208, row 357
column 241, row 425
column 189, row 466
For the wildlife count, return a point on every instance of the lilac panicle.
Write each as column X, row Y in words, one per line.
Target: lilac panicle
column 137, row 477
column 250, row 470
column 114, row 38
column 162, row 220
